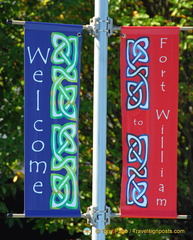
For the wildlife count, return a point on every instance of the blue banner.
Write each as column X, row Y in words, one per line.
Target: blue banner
column 52, row 73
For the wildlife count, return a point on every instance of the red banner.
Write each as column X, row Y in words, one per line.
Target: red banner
column 149, row 98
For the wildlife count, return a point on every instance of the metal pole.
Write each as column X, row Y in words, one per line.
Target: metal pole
column 99, row 120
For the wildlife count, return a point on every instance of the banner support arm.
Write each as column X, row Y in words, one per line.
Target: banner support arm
column 18, row 22
column 90, row 27
column 118, row 215
column 86, row 216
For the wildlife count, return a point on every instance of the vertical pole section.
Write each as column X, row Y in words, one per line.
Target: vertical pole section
column 99, row 120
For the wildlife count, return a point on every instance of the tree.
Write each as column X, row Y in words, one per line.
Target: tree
column 127, row 12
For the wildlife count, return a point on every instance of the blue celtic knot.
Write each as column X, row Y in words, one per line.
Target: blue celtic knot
column 138, row 153
column 137, row 89
column 136, row 191
column 138, row 149
column 138, row 92
column 136, row 52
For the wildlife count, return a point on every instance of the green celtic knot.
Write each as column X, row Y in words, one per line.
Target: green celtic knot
column 66, row 52
column 63, row 100
column 59, row 163
column 62, row 140
column 63, row 180
column 64, row 189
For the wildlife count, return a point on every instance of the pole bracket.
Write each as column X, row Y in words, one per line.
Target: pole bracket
column 94, row 216
column 110, row 26
column 94, row 23
column 96, row 26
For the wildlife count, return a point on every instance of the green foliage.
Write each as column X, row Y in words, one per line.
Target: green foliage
column 124, row 12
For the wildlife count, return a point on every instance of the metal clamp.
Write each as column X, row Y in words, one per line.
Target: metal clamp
column 110, row 26
column 94, row 23
column 94, row 216
column 95, row 26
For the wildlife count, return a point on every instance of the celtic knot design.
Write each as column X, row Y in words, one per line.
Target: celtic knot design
column 66, row 53
column 138, row 154
column 136, row 191
column 62, row 139
column 137, row 88
column 63, row 104
column 138, row 149
column 63, row 99
column 62, row 144
column 64, row 189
